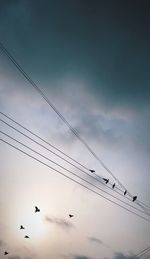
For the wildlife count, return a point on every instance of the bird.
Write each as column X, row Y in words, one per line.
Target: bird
column 92, row 171
column 70, row 215
column 125, row 192
column 113, row 186
column 134, row 198
column 37, row 209
column 26, row 237
column 6, row 253
column 22, row 227
column 106, row 180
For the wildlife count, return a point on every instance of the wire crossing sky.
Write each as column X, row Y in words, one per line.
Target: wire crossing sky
column 94, row 178
column 59, row 114
column 81, row 178
column 38, row 160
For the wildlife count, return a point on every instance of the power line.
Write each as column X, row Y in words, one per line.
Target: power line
column 143, row 252
column 64, row 159
column 46, row 142
column 101, row 179
column 34, row 85
column 47, row 149
column 62, row 167
column 108, row 199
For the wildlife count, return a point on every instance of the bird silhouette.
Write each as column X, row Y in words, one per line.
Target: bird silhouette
column 37, row 209
column 26, row 237
column 134, row 198
column 125, row 192
column 113, row 186
column 92, row 171
column 106, row 180
column 22, row 227
column 70, row 215
column 6, row 253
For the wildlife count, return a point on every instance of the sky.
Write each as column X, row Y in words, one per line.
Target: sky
column 91, row 59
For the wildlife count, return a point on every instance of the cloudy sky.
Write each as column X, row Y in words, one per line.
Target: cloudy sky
column 92, row 60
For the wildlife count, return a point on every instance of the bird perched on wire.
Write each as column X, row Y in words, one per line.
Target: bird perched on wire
column 6, row 253
column 70, row 215
column 26, row 237
column 37, row 209
column 134, row 198
column 125, row 192
column 92, row 171
column 22, row 227
column 113, row 186
column 106, row 180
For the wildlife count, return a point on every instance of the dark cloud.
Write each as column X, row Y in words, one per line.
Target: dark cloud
column 81, row 257
column 122, row 256
column 95, row 240
column 60, row 222
column 106, row 43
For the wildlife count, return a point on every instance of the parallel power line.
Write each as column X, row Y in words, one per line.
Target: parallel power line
column 91, row 176
column 72, row 179
column 147, row 251
column 37, row 88
column 69, row 171
column 143, row 252
column 100, row 179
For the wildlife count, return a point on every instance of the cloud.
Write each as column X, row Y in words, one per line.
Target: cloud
column 95, row 240
column 60, row 222
column 122, row 256
column 115, row 68
column 81, row 257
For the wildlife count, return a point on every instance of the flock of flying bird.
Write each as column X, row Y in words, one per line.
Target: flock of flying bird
column 71, row 215
column 22, row 227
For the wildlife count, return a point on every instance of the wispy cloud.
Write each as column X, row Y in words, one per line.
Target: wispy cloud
column 95, row 240
column 60, row 222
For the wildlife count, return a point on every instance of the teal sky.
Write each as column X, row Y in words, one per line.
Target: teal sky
column 91, row 59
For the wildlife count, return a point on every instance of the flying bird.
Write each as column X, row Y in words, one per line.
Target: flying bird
column 106, row 180
column 92, row 171
column 134, row 198
column 70, row 215
column 37, row 209
column 5, row 253
column 113, row 186
column 125, row 192
column 26, row 237
column 22, row 227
